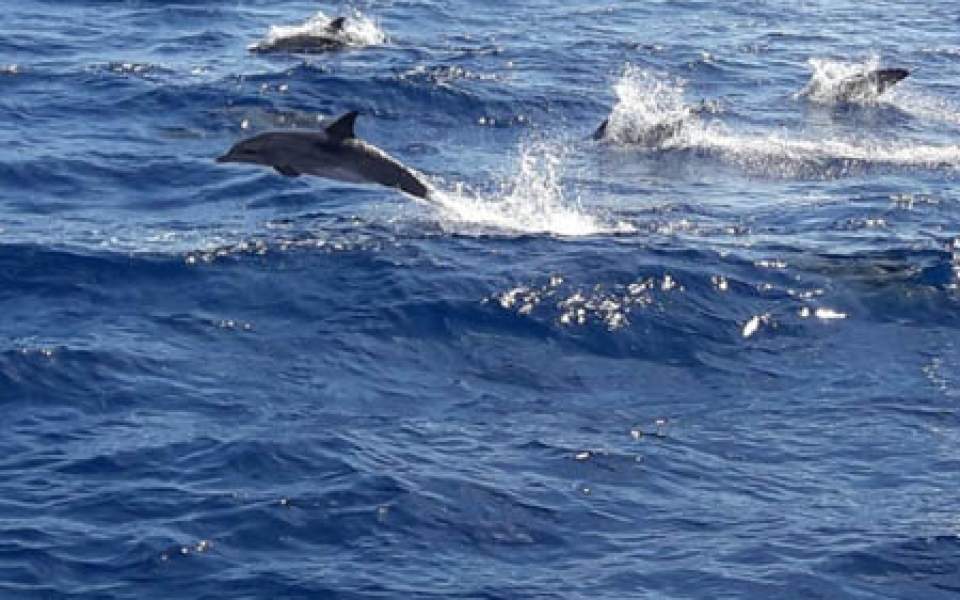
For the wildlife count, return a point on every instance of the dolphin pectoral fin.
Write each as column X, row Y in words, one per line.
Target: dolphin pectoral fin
column 286, row 170
column 337, row 24
column 342, row 128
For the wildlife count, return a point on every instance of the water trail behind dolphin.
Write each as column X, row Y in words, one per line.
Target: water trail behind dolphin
column 924, row 106
column 532, row 200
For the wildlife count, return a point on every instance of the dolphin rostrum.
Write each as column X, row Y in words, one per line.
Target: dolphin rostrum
column 331, row 38
column 334, row 153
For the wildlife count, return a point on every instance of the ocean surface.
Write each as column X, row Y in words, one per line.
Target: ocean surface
column 723, row 365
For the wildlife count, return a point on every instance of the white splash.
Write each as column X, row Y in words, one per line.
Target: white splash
column 828, row 314
column 754, row 323
column 646, row 101
column 531, row 201
column 826, row 85
column 751, row 326
column 358, row 30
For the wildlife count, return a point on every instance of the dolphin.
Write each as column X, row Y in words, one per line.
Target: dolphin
column 334, row 152
column 861, row 87
column 651, row 136
column 655, row 134
column 332, row 38
column 869, row 84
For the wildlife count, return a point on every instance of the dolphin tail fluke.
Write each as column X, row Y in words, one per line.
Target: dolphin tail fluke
column 286, row 170
column 410, row 182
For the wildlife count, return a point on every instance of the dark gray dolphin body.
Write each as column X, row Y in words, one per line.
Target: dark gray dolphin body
column 870, row 84
column 308, row 43
column 334, row 153
column 656, row 134
column 652, row 136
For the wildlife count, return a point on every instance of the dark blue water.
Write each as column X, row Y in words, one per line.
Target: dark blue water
column 726, row 366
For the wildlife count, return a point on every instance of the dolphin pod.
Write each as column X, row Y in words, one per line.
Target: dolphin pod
column 334, row 152
column 864, row 85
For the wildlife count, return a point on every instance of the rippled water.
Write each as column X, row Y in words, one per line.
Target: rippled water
column 721, row 365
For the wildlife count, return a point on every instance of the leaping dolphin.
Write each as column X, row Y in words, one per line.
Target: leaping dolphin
column 651, row 136
column 655, row 134
column 334, row 152
column 861, row 87
column 870, row 84
column 332, row 38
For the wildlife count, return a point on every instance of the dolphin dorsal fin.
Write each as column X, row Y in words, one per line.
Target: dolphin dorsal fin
column 342, row 128
column 601, row 131
column 336, row 24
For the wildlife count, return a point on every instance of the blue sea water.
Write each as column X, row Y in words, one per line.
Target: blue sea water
column 725, row 366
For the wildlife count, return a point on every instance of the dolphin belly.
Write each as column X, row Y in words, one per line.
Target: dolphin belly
column 340, row 173
column 395, row 175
